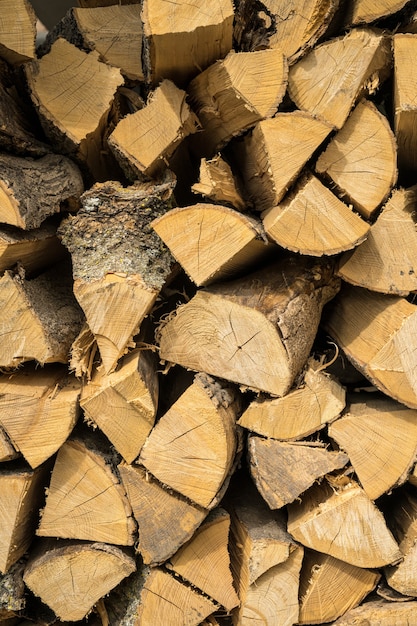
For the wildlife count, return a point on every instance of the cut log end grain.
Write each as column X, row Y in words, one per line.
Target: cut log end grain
column 17, row 32
column 405, row 81
column 368, row 11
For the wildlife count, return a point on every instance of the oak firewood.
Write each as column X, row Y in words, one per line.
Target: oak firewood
column 256, row 331
column 85, row 499
column 7, row 451
column 313, row 221
column 119, row 263
column 376, row 333
column 70, row 577
column 282, row 471
column 330, row 587
column 340, row 520
column 34, row 250
column 335, row 74
column 267, row 176
column 361, row 159
column 38, row 410
column 192, row 448
column 217, row 183
column 405, row 110
column 17, row 31
column 213, row 242
column 318, row 400
column 380, row 437
column 368, row 11
column 183, row 39
column 380, row 613
column 166, row 519
column 21, row 496
column 32, row 190
column 235, row 93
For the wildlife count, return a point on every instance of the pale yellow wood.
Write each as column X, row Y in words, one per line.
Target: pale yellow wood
column 35, row 249
column 405, row 109
column 380, row 613
column 212, row 242
column 367, row 11
column 17, row 31
column 328, row 81
column 403, row 516
column 83, row 353
column 217, row 183
column 7, row 450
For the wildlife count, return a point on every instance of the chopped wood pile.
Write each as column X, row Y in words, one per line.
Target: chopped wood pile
column 208, row 325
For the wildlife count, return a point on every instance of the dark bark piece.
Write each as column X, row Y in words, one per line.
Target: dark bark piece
column 12, row 594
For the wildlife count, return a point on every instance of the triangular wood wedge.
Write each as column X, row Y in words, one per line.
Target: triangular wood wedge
column 361, row 159
column 380, row 613
column 193, row 445
column 7, row 451
column 329, row 587
column 380, row 437
column 332, row 77
column 38, row 410
column 368, row 11
column 318, row 400
column 212, row 242
column 71, row 577
column 343, row 522
column 393, row 271
column 17, row 31
column 282, row 471
column 34, row 250
column 217, row 183
column 249, row 330
column 85, row 499
column 405, row 108
column 235, row 93
column 314, row 222
column 267, row 175
column 166, row 519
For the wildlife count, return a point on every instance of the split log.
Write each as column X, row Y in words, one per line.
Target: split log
column 331, row 78
column 319, row 399
column 213, row 242
column 34, row 250
column 380, row 613
column 17, row 32
column 405, row 110
column 7, row 451
column 283, row 471
column 368, row 11
column 329, row 587
column 256, row 331
column 343, row 522
column 70, row 577
column 217, row 183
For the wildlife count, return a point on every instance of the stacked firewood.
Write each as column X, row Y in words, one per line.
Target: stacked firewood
column 208, row 326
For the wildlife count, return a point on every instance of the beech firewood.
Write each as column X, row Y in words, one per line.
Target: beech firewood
column 313, row 221
column 332, row 77
column 192, row 448
column 318, row 400
column 368, row 11
column 7, row 451
column 17, row 31
column 330, row 587
column 217, row 183
column 85, row 499
column 272, row 465
column 376, row 333
column 256, row 331
column 34, row 250
column 183, row 39
column 166, row 519
column 32, row 190
column 235, row 93
column 119, row 263
column 340, row 520
column 21, row 497
column 361, row 159
column 213, row 242
column 267, row 176
column 70, row 577
column 380, row 613
column 405, row 109
column 38, row 410
column 380, row 437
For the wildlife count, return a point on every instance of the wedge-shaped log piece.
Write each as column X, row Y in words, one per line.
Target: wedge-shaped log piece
column 256, row 331
column 17, row 31
column 318, row 400
column 405, row 108
column 192, row 447
column 204, row 561
column 38, row 410
column 143, row 141
column 119, row 263
column 235, row 93
column 313, row 221
column 282, row 471
column 332, row 77
column 380, row 437
column 7, row 451
column 343, row 522
column 361, row 159
column 166, row 519
column 329, row 587
column 21, row 496
column 393, row 271
column 217, row 183
column 376, row 332
column 380, row 613
column 183, row 39
column 85, row 499
column 266, row 173
column 70, row 577
column 34, row 250
column 368, row 11
column 39, row 318
column 123, row 404
column 212, row 242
